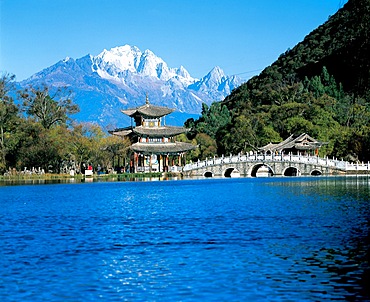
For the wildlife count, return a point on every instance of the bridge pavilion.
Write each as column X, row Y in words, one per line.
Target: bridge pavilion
column 302, row 144
column 152, row 142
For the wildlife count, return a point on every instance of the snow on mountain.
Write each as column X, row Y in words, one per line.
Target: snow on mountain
column 122, row 76
column 211, row 81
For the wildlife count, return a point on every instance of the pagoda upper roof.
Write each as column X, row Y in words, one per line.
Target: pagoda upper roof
column 162, row 148
column 148, row 110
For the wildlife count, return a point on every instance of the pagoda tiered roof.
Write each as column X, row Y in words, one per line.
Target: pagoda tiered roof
column 150, row 131
column 149, row 136
column 122, row 131
column 148, row 110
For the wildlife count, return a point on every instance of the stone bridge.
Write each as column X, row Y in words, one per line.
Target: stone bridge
column 263, row 165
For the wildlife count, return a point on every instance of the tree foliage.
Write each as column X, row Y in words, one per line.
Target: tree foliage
column 42, row 138
column 48, row 110
column 8, row 118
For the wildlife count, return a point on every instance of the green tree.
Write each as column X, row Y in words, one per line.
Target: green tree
column 212, row 118
column 8, row 116
column 37, row 147
column 207, row 147
column 242, row 136
column 112, row 147
column 82, row 143
column 46, row 109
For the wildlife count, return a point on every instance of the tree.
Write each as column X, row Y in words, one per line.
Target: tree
column 213, row 118
column 46, row 109
column 243, row 136
column 82, row 143
column 112, row 147
column 207, row 147
column 8, row 114
column 36, row 147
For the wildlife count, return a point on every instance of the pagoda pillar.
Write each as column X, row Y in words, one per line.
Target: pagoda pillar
column 136, row 159
column 150, row 162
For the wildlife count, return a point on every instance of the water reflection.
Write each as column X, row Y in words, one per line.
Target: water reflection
column 340, row 268
column 211, row 240
column 358, row 181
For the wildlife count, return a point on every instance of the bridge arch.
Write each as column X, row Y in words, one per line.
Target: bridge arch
column 316, row 172
column 208, row 174
column 231, row 172
column 292, row 171
column 261, row 170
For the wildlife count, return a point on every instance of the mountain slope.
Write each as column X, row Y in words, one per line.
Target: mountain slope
column 121, row 77
column 342, row 45
column 320, row 87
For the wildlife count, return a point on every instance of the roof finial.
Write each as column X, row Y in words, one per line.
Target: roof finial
column 147, row 100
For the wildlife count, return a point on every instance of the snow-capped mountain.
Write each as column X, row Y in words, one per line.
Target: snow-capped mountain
column 121, row 77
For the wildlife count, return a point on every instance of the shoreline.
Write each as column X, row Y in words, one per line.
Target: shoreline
column 81, row 177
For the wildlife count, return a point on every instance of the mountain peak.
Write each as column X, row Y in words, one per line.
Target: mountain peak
column 215, row 80
column 118, row 61
column 182, row 72
column 121, row 76
column 121, row 58
column 216, row 74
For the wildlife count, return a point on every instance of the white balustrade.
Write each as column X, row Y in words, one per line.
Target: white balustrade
column 325, row 162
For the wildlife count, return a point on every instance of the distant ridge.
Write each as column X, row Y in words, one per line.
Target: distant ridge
column 122, row 76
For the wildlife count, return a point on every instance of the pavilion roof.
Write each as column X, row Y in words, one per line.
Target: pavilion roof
column 162, row 148
column 301, row 142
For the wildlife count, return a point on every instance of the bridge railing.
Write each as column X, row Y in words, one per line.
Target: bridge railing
column 260, row 157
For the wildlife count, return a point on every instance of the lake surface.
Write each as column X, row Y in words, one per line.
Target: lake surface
column 247, row 239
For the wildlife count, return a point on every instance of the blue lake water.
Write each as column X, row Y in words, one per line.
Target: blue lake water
column 275, row 239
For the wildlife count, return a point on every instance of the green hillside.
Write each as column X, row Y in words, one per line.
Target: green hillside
column 320, row 87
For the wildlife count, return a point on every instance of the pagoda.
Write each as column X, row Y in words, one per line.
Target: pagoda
column 153, row 144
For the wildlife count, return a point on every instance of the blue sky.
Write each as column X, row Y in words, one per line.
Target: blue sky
column 240, row 36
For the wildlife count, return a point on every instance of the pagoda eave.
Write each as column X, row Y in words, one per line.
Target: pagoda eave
column 160, row 131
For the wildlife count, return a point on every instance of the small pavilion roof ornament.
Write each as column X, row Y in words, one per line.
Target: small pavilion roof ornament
column 147, row 99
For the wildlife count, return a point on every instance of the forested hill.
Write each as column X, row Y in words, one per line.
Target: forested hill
column 341, row 45
column 320, row 87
